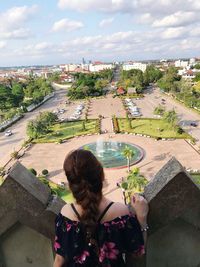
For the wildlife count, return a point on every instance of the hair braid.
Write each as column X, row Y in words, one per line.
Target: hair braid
column 85, row 176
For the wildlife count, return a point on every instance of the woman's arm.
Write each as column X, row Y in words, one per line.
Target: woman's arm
column 141, row 209
column 59, row 261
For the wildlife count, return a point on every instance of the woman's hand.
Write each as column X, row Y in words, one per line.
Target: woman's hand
column 140, row 205
column 59, row 261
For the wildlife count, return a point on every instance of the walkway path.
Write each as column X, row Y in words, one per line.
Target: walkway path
column 107, row 107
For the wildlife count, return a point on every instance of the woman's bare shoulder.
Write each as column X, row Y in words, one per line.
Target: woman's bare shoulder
column 68, row 212
column 120, row 209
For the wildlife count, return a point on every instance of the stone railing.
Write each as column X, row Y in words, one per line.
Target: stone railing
column 28, row 210
column 34, row 106
column 9, row 122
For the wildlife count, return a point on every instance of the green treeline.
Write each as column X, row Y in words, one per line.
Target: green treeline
column 14, row 94
column 136, row 78
column 92, row 84
column 184, row 90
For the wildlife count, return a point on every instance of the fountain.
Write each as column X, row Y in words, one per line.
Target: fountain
column 110, row 153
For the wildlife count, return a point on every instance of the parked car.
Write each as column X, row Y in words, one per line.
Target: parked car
column 8, row 133
column 193, row 124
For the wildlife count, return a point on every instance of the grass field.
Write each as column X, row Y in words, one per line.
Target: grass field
column 62, row 192
column 153, row 127
column 66, row 130
column 196, row 178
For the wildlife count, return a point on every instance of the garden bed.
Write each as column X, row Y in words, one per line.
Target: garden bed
column 62, row 131
column 156, row 128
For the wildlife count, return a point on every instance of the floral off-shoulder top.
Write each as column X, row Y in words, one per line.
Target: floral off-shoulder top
column 120, row 235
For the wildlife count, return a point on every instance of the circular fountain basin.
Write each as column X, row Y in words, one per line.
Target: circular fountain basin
column 110, row 154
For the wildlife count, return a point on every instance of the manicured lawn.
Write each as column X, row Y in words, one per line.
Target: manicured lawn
column 58, row 190
column 62, row 192
column 66, row 130
column 152, row 127
column 196, row 178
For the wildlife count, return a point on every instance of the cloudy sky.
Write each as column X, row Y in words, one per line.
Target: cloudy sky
column 64, row 31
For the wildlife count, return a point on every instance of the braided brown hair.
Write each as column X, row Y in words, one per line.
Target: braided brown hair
column 85, row 176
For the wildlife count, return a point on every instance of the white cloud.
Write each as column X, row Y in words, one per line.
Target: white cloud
column 2, row 44
column 13, row 20
column 173, row 33
column 21, row 33
column 67, row 25
column 195, row 31
column 103, row 5
column 106, row 22
column 179, row 18
column 146, row 18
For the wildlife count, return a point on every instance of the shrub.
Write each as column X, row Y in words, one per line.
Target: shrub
column 14, row 155
column 98, row 126
column 83, row 126
column 33, row 171
column 180, row 130
column 59, row 141
column 45, row 172
column 2, row 171
column 115, row 125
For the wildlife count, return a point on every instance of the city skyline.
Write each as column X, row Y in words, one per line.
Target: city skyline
column 66, row 31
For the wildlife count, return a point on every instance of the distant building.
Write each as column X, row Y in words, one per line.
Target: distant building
column 189, row 74
column 181, row 63
column 135, row 65
column 99, row 66
column 121, row 91
column 192, row 61
column 131, row 90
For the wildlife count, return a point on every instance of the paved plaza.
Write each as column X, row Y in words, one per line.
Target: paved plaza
column 156, row 153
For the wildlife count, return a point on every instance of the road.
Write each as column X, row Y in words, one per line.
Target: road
column 153, row 97
column 10, row 143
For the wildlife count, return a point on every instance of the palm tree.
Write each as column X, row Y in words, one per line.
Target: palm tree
column 135, row 182
column 128, row 153
column 171, row 117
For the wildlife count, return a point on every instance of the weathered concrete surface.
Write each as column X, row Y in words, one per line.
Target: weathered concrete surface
column 27, row 212
column 174, row 218
column 26, row 201
column 22, row 246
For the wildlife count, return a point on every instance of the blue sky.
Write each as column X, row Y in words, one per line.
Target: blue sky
column 65, row 31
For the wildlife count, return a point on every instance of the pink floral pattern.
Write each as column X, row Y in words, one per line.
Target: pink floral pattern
column 108, row 251
column 81, row 258
column 68, row 226
column 140, row 251
column 122, row 234
column 56, row 244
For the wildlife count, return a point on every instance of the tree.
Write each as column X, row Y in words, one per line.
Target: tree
column 168, row 81
column 197, row 66
column 36, row 129
column 18, row 93
column 197, row 77
column 159, row 110
column 152, row 74
column 128, row 153
column 6, row 97
column 83, row 126
column 48, row 118
column 134, row 182
column 171, row 117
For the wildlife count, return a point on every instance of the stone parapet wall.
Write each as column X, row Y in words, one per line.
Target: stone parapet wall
column 28, row 211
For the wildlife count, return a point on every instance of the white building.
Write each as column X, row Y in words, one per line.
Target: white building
column 96, row 67
column 135, row 65
column 192, row 61
column 181, row 63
